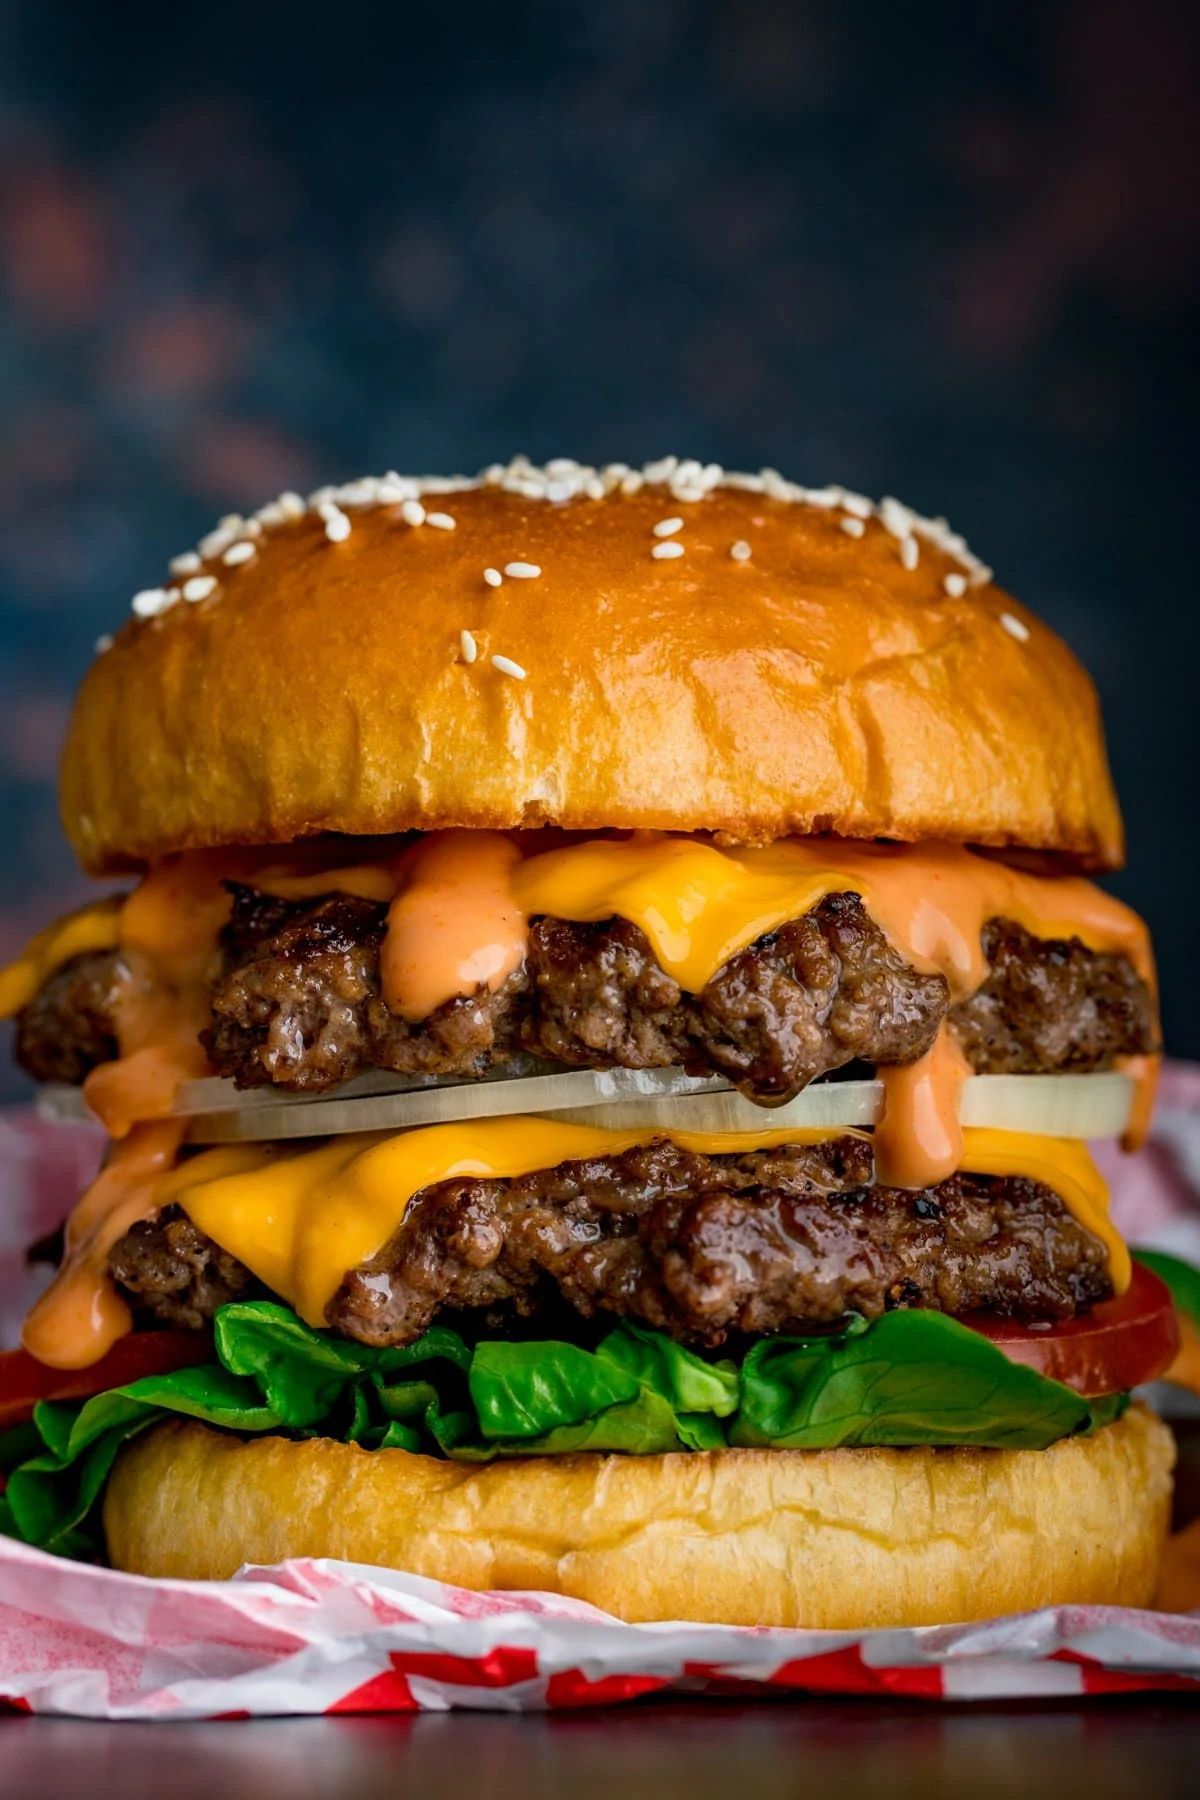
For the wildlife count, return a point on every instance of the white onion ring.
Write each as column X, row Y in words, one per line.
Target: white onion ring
column 1071, row 1106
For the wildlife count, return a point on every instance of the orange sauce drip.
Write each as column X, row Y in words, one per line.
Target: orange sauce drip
column 81, row 1315
column 167, row 938
column 455, row 926
column 1143, row 1071
column 919, row 1140
column 933, row 900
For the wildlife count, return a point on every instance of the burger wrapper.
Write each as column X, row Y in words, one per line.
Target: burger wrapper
column 312, row 1637
column 329, row 1637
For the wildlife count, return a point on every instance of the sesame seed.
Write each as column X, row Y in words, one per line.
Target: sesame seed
column 219, row 540
column 149, row 602
column 955, row 585
column 104, row 644
column 897, row 518
column 740, row 551
column 662, row 551
column 199, row 587
column 493, row 577
column 238, row 553
column 364, row 492
column 337, row 524
column 682, row 479
column 1015, row 627
column 467, row 647
column 441, row 521
column 507, row 666
column 852, row 525
column 522, row 571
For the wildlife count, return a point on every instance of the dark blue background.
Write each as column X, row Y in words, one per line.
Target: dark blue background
column 939, row 249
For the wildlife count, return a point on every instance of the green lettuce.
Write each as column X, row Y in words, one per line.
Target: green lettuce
column 1180, row 1277
column 909, row 1378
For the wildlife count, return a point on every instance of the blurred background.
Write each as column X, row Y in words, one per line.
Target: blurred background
column 946, row 251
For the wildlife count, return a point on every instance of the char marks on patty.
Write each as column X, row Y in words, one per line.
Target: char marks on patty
column 807, row 998
column 69, row 1027
column 702, row 1247
column 175, row 1275
column 297, row 1004
column 1050, row 1005
column 300, row 1005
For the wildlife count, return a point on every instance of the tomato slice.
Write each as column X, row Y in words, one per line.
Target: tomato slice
column 1118, row 1345
column 24, row 1381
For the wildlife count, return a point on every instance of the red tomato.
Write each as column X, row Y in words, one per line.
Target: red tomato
column 24, row 1380
column 1118, row 1345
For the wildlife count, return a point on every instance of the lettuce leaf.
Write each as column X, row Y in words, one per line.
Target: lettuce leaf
column 909, row 1378
column 1180, row 1277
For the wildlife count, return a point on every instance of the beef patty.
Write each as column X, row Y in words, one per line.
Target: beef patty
column 700, row 1246
column 69, row 1027
column 297, row 1004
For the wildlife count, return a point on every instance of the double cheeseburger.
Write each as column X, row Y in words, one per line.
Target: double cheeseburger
column 597, row 1033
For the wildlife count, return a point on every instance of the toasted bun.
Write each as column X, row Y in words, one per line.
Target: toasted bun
column 821, row 685
column 836, row 1538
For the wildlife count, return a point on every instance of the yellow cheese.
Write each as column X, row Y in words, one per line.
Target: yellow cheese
column 301, row 1219
column 1064, row 1166
column 700, row 905
column 365, row 881
column 94, row 927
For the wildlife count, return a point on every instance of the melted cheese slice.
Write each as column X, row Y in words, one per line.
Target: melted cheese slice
column 95, row 927
column 700, row 905
column 1064, row 1166
column 301, row 1220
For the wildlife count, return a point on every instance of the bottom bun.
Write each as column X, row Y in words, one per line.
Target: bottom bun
column 834, row 1538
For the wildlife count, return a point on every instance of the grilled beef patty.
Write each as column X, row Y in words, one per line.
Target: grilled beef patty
column 297, row 1004
column 69, row 1027
column 701, row 1247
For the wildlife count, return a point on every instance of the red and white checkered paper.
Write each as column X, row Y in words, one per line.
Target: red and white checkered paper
column 327, row 1637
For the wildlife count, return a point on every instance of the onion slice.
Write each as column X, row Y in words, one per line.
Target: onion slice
column 1069, row 1106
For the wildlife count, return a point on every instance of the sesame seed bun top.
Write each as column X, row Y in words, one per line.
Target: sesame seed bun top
column 671, row 648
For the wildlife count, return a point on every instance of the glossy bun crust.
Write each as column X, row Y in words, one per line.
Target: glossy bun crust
column 842, row 1539
column 818, row 686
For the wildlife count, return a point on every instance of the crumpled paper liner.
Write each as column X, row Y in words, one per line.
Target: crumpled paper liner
column 328, row 1637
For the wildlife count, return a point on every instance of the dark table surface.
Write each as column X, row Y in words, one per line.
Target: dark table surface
column 673, row 1750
